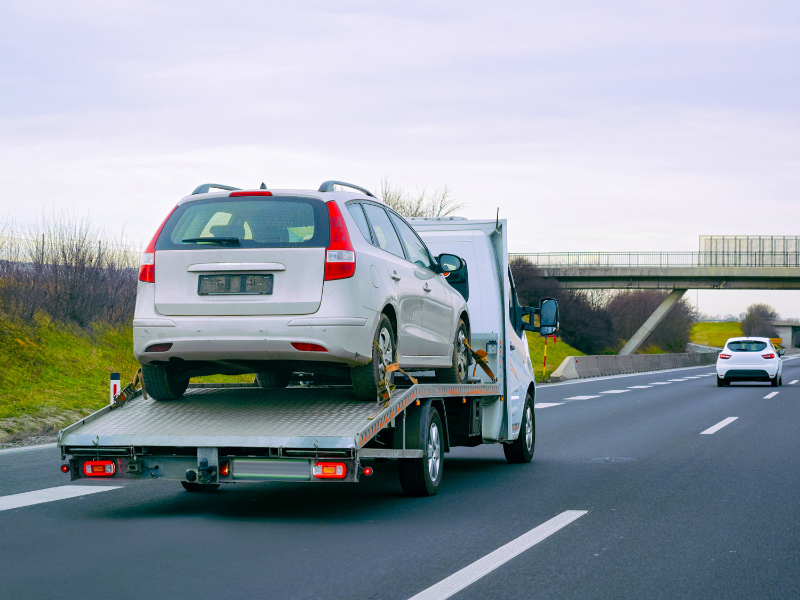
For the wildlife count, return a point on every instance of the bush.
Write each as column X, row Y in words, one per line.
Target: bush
column 630, row 309
column 758, row 321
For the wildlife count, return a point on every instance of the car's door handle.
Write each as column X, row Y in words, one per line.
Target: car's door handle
column 394, row 276
column 426, row 288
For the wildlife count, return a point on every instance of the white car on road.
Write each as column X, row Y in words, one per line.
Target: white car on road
column 749, row 359
column 327, row 283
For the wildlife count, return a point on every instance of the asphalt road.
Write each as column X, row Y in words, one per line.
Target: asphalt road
column 671, row 512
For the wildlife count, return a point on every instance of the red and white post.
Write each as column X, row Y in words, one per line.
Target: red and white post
column 115, row 386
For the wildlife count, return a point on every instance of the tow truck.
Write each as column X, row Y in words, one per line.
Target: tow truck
column 229, row 433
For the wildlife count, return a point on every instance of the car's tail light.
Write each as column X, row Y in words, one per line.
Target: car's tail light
column 724, row 355
column 340, row 258
column 306, row 347
column 767, row 356
column 99, row 468
column 147, row 267
column 158, row 348
column 252, row 193
column 329, row 470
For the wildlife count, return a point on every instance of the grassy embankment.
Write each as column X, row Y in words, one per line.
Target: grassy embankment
column 556, row 353
column 714, row 334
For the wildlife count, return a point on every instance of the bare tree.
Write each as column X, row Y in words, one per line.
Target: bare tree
column 440, row 203
column 759, row 321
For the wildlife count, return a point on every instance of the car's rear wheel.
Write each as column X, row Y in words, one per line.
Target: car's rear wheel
column 270, row 380
column 459, row 371
column 721, row 381
column 774, row 381
column 161, row 382
column 366, row 377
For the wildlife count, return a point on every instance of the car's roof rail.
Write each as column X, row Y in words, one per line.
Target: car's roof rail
column 204, row 189
column 328, row 187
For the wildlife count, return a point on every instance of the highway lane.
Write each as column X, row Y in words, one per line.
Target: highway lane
column 671, row 512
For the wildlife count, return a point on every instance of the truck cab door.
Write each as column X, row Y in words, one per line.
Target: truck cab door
column 520, row 371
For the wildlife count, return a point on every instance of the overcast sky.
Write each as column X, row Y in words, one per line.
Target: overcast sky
column 590, row 125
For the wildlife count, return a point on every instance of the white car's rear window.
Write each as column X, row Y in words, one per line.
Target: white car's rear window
column 746, row 346
column 263, row 222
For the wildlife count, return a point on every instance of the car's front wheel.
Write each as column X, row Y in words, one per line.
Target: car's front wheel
column 366, row 377
column 162, row 383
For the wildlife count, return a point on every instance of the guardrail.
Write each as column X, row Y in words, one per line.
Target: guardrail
column 659, row 259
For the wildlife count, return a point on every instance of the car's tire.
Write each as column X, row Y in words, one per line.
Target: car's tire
column 459, row 371
column 520, row 451
column 270, row 380
column 161, row 383
column 191, row 486
column 720, row 381
column 365, row 378
column 422, row 476
column 780, row 379
column 774, row 381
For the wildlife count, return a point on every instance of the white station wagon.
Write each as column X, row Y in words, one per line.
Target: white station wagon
column 749, row 359
column 331, row 284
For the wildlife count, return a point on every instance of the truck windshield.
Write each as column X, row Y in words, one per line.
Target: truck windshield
column 264, row 222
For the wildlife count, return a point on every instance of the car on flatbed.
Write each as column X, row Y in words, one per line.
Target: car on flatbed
column 749, row 359
column 330, row 283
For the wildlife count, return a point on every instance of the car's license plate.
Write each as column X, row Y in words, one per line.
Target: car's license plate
column 234, row 284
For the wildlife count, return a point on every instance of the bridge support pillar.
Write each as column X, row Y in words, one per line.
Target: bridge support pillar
column 652, row 321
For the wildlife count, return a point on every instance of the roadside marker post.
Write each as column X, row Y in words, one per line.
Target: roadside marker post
column 115, row 386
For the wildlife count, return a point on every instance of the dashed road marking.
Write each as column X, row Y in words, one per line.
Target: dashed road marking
column 793, row 382
column 772, row 395
column 615, row 391
column 483, row 566
column 50, row 494
column 677, row 380
column 718, row 426
column 547, row 404
column 581, row 397
column 639, row 387
column 661, row 383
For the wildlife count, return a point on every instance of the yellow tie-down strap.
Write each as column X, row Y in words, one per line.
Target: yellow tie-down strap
column 480, row 361
column 129, row 391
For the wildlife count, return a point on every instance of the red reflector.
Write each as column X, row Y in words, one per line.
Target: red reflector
column 224, row 468
column 99, row 468
column 65, row 468
column 305, row 347
column 367, row 471
column 724, row 356
column 340, row 259
column 253, row 193
column 147, row 267
column 158, row 348
column 329, row 470
column 767, row 356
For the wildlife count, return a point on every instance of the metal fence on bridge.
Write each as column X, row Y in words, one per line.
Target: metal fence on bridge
column 660, row 259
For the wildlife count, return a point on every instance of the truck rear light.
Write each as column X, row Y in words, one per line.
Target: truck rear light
column 340, row 258
column 306, row 347
column 65, row 468
column 147, row 266
column 253, row 193
column 224, row 468
column 158, row 348
column 767, row 356
column 367, row 471
column 99, row 468
column 724, row 356
column 329, row 470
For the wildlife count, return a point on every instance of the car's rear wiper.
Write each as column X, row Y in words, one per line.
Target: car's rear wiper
column 230, row 241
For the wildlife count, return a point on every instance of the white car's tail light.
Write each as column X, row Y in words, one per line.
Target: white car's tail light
column 147, row 266
column 768, row 356
column 724, row 356
column 340, row 258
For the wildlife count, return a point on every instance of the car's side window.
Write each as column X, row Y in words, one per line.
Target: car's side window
column 358, row 216
column 417, row 252
column 382, row 226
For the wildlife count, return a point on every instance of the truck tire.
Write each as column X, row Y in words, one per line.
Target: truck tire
column 190, row 486
column 520, row 451
column 459, row 371
column 422, row 476
column 161, row 383
column 270, row 380
column 365, row 378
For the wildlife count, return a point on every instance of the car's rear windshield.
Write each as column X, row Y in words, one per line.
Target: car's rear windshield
column 247, row 222
column 746, row 346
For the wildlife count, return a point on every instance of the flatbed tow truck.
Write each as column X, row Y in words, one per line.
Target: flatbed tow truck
column 227, row 433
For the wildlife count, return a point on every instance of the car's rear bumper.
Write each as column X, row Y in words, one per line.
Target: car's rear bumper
column 747, row 372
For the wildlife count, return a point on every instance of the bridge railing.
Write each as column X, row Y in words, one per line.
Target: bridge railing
column 659, row 259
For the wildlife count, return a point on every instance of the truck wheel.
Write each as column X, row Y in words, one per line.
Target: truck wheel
column 190, row 486
column 161, row 383
column 520, row 451
column 270, row 380
column 459, row 372
column 422, row 476
column 365, row 378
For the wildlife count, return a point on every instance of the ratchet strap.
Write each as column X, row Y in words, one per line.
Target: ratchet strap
column 385, row 387
column 129, row 391
column 480, row 361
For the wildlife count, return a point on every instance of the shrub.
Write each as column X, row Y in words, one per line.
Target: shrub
column 630, row 309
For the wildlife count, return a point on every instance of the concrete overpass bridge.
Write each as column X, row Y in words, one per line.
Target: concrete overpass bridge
column 674, row 271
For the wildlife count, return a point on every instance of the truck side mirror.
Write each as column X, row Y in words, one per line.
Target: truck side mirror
column 547, row 312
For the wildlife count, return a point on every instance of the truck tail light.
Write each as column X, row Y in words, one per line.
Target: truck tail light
column 768, row 356
column 340, row 258
column 147, row 266
column 306, row 347
column 65, row 468
column 329, row 470
column 224, row 468
column 724, row 356
column 99, row 468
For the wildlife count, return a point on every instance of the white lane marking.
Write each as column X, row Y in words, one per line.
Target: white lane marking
column 639, row 387
column 547, row 404
column 772, row 395
column 581, row 397
column 50, row 494
column 615, row 391
column 26, row 448
column 606, row 377
column 793, row 382
column 677, row 380
column 483, row 566
column 661, row 383
column 693, row 377
column 718, row 426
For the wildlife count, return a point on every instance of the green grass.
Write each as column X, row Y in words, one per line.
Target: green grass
column 556, row 353
column 715, row 334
